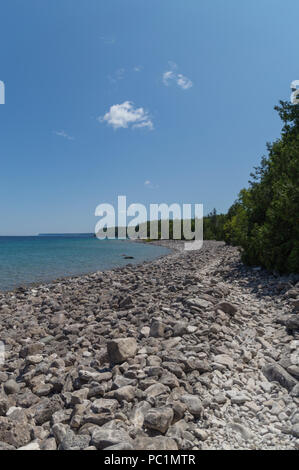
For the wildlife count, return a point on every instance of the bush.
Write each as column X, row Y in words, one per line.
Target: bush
column 265, row 219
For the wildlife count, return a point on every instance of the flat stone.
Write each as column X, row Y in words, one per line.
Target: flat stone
column 239, row 399
column 103, row 438
column 155, row 390
column 242, row 430
column 103, row 405
column 125, row 393
column 227, row 307
column 198, row 302
column 274, row 372
column 75, row 442
column 31, row 446
column 224, row 360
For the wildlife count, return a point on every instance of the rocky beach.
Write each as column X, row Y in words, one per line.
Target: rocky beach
column 192, row 351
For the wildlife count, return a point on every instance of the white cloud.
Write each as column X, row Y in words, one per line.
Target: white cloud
column 150, row 185
column 63, row 134
column 184, row 82
column 167, row 76
column 126, row 115
column 170, row 75
column 138, row 68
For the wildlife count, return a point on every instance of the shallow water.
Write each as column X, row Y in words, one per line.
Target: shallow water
column 27, row 260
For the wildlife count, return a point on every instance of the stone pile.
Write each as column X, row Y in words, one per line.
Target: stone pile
column 192, row 351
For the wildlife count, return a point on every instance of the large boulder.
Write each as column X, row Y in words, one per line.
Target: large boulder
column 15, row 430
column 119, row 350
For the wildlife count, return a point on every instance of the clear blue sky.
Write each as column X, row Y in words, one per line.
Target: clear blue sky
column 194, row 137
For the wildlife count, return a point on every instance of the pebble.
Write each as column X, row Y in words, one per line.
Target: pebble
column 190, row 351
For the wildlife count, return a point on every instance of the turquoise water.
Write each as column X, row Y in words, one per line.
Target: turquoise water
column 27, row 260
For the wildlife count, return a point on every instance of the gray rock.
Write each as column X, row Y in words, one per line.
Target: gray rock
column 79, row 396
column 44, row 410
column 155, row 443
column 11, row 387
column 32, row 349
column 103, row 438
column 119, row 350
column 239, row 399
column 274, row 372
column 159, row 419
column 179, row 329
column 295, row 430
column 198, row 302
column 157, row 329
column 155, row 390
column 125, row 393
column 59, row 431
column 194, row 405
column 242, row 430
column 5, row 446
column 293, row 323
column 103, row 405
column 31, row 446
column 4, row 406
column 15, row 430
column 201, row 434
column 49, row 444
column 224, row 360
column 121, row 446
column 227, row 307
column 75, row 442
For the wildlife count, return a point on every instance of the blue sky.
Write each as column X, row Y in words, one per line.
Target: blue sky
column 161, row 101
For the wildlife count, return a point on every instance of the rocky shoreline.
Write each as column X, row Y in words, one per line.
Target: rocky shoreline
column 192, row 351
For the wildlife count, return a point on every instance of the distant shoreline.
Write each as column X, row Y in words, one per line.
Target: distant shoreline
column 168, row 244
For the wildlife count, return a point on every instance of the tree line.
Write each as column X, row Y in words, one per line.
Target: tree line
column 264, row 220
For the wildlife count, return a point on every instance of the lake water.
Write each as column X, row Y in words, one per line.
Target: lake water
column 27, row 260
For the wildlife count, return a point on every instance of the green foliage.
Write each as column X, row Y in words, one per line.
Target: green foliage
column 213, row 226
column 265, row 221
